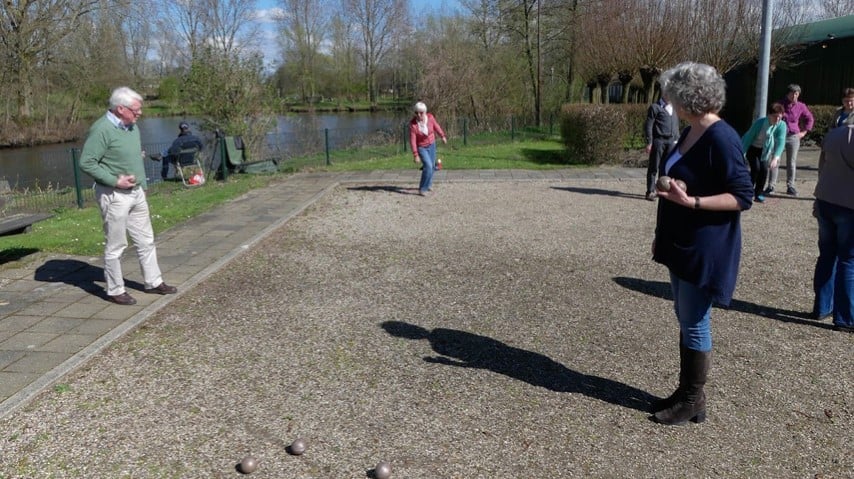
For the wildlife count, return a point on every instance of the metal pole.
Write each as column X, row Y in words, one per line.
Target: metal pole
column 764, row 61
column 326, row 140
column 75, row 161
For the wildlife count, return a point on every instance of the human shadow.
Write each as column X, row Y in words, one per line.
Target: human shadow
column 386, row 189
column 468, row 350
column 78, row 274
column 600, row 191
column 660, row 289
column 15, row 254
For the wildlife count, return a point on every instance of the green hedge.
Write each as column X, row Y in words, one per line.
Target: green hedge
column 602, row 134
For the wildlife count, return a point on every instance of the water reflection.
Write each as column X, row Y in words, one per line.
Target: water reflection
column 50, row 165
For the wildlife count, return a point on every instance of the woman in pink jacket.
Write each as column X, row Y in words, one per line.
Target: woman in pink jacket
column 422, row 137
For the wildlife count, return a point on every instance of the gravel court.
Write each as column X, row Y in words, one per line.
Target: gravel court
column 496, row 330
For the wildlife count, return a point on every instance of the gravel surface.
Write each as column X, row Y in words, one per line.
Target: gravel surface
column 495, row 330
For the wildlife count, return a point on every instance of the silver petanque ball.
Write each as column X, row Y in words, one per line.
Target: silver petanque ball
column 297, row 447
column 663, row 183
column 382, row 471
column 248, row 465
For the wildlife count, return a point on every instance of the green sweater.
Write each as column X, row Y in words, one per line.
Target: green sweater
column 111, row 151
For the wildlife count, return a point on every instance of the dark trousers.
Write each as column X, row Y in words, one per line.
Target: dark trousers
column 758, row 169
column 661, row 149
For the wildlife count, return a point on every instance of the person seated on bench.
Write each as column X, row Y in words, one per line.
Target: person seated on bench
column 186, row 139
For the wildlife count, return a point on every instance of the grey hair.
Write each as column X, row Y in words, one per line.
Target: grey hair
column 696, row 87
column 124, row 96
column 794, row 87
column 420, row 107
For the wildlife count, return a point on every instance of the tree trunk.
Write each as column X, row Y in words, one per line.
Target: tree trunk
column 649, row 75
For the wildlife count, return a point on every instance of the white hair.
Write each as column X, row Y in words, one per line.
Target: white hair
column 420, row 107
column 124, row 96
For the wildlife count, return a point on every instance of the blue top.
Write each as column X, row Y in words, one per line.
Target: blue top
column 699, row 246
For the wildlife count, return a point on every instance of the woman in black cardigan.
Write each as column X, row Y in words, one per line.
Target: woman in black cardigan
column 698, row 229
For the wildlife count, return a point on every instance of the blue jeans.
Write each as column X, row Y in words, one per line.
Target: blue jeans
column 693, row 308
column 833, row 281
column 428, row 161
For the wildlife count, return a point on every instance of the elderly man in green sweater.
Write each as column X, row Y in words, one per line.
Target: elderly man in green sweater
column 112, row 155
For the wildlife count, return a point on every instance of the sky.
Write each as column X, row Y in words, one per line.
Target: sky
column 269, row 9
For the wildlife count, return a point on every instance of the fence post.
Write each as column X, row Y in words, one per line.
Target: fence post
column 512, row 128
column 326, row 143
column 75, row 161
column 465, row 131
column 222, row 157
column 404, row 135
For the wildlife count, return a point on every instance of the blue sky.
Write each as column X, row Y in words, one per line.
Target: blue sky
column 267, row 10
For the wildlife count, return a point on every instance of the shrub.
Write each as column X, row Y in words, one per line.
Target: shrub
column 594, row 134
column 824, row 115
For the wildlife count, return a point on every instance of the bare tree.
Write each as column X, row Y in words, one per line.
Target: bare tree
column 29, row 30
column 302, row 32
column 343, row 53
column 182, row 29
column 137, row 24
column 836, row 8
column 376, row 21
column 229, row 26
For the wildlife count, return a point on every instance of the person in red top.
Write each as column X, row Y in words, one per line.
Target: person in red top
column 423, row 129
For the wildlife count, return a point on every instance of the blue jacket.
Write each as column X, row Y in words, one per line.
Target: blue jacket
column 699, row 246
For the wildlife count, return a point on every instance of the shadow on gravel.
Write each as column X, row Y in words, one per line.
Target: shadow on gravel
column 599, row 191
column 467, row 350
column 78, row 274
column 386, row 189
column 660, row 289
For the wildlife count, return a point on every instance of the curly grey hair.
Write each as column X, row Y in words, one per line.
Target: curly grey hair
column 696, row 87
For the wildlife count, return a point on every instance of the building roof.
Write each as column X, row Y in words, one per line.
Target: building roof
column 823, row 30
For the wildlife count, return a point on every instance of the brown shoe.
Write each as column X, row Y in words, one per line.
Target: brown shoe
column 124, row 299
column 163, row 288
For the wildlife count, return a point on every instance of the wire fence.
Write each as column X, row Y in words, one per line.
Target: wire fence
column 308, row 148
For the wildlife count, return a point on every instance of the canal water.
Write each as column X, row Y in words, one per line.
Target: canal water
column 49, row 166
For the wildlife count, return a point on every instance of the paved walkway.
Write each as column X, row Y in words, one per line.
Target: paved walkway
column 54, row 315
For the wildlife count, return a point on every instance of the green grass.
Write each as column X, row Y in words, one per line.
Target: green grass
column 79, row 231
column 525, row 155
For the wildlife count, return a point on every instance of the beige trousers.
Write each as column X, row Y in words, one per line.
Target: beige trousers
column 125, row 213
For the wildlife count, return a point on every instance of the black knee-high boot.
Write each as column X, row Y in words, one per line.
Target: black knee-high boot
column 691, row 402
column 665, row 403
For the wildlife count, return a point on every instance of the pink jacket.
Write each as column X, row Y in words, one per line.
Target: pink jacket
column 416, row 138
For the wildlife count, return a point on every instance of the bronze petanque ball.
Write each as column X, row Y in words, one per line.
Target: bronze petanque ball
column 663, row 183
column 681, row 184
column 297, row 447
column 248, row 465
column 382, row 471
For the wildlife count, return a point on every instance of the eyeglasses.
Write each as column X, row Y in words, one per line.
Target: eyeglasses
column 135, row 111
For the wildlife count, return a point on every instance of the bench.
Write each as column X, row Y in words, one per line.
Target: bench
column 20, row 222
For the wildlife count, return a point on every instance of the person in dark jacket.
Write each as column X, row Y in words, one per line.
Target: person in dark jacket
column 661, row 130
column 833, row 279
column 698, row 229
column 186, row 139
